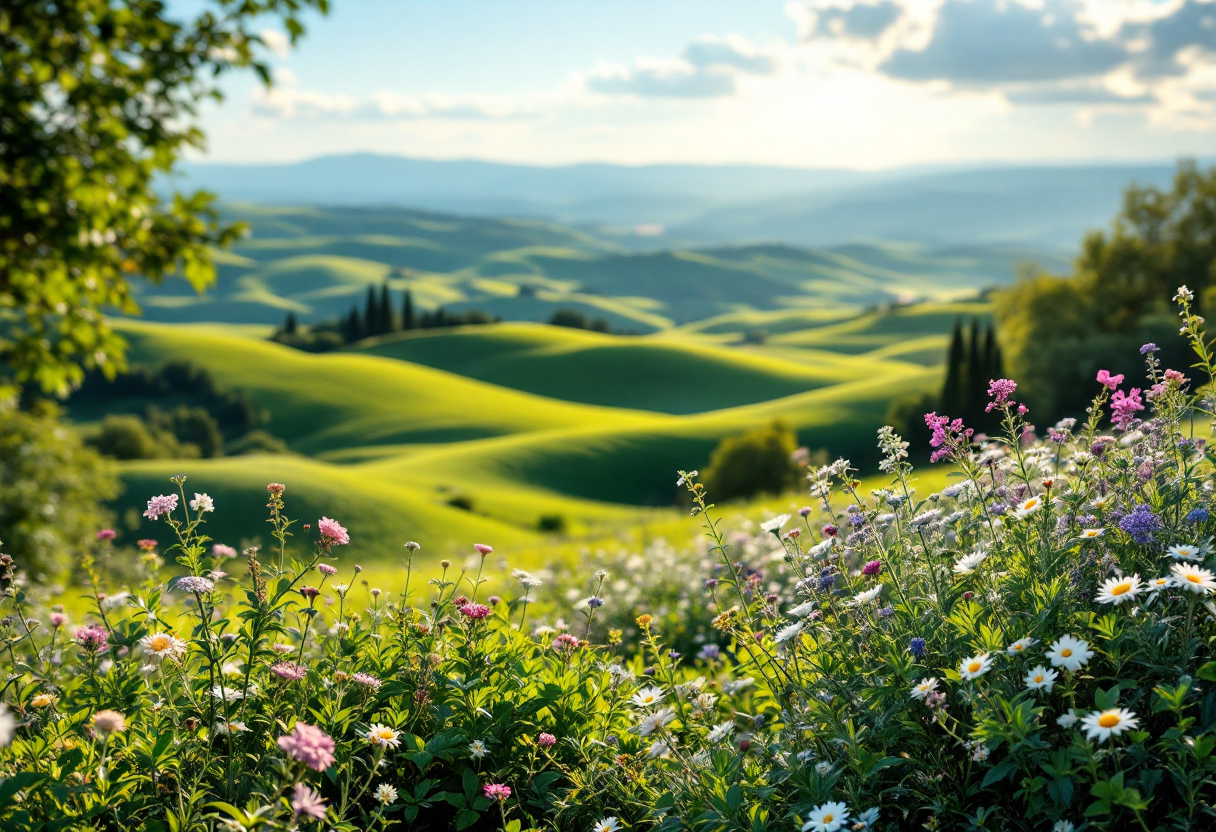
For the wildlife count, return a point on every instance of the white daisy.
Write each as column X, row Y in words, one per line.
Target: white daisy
column 787, row 633
column 478, row 749
column 645, row 697
column 827, row 817
column 1101, row 502
column 802, row 610
column 1029, row 507
column 1069, row 653
column 1021, row 646
column 1066, row 719
column 1186, row 551
column 1102, row 725
column 385, row 793
column 774, row 524
column 975, row 667
column 1040, row 678
column 1193, row 578
column 867, row 596
column 867, row 818
column 234, row 727
column 1118, row 590
column 660, row 748
column 969, row 563
column 160, row 646
column 720, row 732
column 1155, row 585
column 383, row 736
column 653, row 722
column 1089, row 534
column 608, row 824
column 202, row 502
column 924, row 687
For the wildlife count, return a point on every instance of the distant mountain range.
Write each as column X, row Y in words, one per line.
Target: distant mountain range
column 659, row 206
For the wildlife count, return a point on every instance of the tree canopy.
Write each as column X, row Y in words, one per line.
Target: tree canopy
column 97, row 100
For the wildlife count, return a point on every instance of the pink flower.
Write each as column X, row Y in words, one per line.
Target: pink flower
column 332, row 532
column 483, row 549
column 276, row 488
column 1174, row 375
column 949, row 439
column 475, row 611
column 326, row 569
column 58, row 619
column 1123, row 408
column 496, row 791
column 309, row 592
column 162, row 504
column 366, row 679
column 1109, row 381
column 222, row 551
column 106, row 535
column 565, row 643
column 310, row 745
column 307, row 802
column 872, row 568
column 146, row 544
column 94, row 639
column 289, row 670
column 546, row 740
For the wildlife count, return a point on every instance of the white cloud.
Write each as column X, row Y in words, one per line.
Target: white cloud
column 276, row 41
column 709, row 68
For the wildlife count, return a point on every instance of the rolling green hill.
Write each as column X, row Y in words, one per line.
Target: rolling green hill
column 318, row 262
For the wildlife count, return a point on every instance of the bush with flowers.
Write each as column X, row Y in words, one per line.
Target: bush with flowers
column 1029, row 649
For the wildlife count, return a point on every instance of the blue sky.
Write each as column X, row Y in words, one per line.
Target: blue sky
column 811, row 83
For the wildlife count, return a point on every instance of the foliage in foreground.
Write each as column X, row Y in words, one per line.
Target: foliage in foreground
column 1029, row 649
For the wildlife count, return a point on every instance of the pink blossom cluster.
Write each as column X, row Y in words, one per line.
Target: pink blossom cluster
column 93, row 639
column 333, row 533
column 475, row 611
column 309, row 745
column 948, row 436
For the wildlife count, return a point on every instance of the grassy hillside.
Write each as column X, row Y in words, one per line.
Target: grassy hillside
column 318, row 262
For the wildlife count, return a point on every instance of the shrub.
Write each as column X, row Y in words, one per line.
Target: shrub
column 125, row 437
column 52, row 491
column 760, row 461
column 551, row 523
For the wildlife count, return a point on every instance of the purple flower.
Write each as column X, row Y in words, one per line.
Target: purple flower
column 308, row 803
column 710, row 652
column 1149, row 347
column 1197, row 515
column 917, row 647
column 886, row 612
column 949, row 437
column 310, row 745
column 827, row 580
column 546, row 740
column 105, row 535
column 193, row 583
column 1000, row 390
column 595, row 602
column 872, row 568
column 1141, row 524
column 162, row 504
column 289, row 670
column 805, row 511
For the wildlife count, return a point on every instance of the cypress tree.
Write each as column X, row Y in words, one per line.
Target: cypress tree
column 290, row 327
column 388, row 322
column 952, row 390
column 975, row 384
column 992, row 354
column 408, row 321
column 351, row 330
column 371, row 314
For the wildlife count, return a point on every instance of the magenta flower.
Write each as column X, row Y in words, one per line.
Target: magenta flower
column 475, row 611
column 94, row 639
column 496, row 791
column 546, row 740
column 307, row 802
column 1124, row 407
column 289, row 670
column 1000, row 390
column 1109, row 381
column 949, row 437
column 162, row 504
column 105, row 535
column 310, row 745
column 483, row 549
column 332, row 532
column 872, row 568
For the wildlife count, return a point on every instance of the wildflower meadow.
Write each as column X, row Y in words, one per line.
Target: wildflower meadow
column 1028, row 649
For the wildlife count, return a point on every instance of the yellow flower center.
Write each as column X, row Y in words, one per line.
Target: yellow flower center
column 1108, row 720
column 829, row 818
column 160, row 642
column 974, row 666
column 1038, row 678
column 1193, row 578
column 1122, row 589
column 1066, row 652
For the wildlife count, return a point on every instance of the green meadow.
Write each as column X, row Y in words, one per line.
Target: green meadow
column 476, row 433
